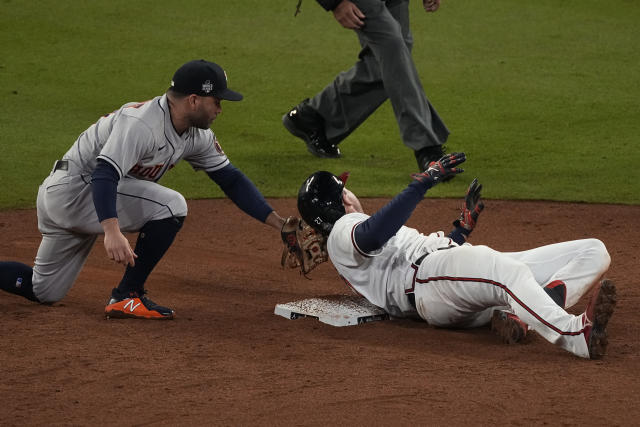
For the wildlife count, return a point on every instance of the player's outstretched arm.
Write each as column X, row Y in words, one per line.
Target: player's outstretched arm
column 274, row 220
column 241, row 190
column 373, row 233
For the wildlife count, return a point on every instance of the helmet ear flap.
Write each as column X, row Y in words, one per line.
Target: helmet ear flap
column 320, row 201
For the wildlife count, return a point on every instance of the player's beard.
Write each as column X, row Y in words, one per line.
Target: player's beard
column 201, row 120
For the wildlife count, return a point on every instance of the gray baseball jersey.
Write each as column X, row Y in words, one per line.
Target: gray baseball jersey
column 139, row 141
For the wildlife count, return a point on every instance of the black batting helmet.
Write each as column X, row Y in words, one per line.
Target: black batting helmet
column 320, row 200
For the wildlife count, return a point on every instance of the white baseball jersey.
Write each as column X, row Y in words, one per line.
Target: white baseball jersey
column 382, row 276
column 461, row 286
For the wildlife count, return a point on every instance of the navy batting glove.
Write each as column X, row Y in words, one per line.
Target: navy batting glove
column 443, row 168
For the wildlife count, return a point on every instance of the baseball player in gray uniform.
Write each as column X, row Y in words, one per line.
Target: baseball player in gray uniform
column 450, row 283
column 384, row 70
column 107, row 183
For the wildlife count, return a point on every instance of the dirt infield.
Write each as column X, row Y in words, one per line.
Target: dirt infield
column 228, row 360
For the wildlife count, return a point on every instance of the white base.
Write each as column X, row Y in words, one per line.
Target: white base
column 335, row 310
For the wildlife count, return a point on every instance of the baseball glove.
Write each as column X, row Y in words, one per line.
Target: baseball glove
column 304, row 247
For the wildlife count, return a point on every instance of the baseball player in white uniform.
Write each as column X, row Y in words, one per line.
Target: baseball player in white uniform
column 108, row 183
column 450, row 283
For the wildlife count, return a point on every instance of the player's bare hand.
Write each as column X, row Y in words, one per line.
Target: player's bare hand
column 431, row 5
column 351, row 202
column 117, row 246
column 348, row 15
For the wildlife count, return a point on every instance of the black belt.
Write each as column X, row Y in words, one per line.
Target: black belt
column 419, row 260
column 412, row 296
column 61, row 165
column 412, row 299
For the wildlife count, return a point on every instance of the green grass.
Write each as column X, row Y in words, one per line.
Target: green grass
column 542, row 96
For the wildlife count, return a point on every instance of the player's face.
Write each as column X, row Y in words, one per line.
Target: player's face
column 206, row 111
column 351, row 202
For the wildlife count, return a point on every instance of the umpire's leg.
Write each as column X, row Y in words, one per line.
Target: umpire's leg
column 385, row 69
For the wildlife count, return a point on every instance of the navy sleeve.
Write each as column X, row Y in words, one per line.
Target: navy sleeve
column 241, row 191
column 373, row 233
column 104, row 186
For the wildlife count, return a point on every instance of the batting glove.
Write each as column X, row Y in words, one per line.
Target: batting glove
column 443, row 168
column 471, row 208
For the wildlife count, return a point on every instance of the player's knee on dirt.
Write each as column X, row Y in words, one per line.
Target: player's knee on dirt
column 45, row 293
column 15, row 278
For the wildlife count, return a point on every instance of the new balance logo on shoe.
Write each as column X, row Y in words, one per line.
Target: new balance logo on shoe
column 131, row 305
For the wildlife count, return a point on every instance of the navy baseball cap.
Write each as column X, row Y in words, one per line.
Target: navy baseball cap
column 203, row 78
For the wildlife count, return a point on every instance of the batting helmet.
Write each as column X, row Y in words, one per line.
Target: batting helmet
column 320, row 201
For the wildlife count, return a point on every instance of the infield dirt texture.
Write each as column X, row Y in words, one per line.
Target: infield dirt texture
column 541, row 95
column 228, row 360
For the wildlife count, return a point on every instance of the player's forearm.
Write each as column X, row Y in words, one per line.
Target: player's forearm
column 110, row 226
column 104, row 186
column 384, row 224
column 242, row 192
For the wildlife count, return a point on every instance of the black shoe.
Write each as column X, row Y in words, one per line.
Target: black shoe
column 307, row 125
column 426, row 155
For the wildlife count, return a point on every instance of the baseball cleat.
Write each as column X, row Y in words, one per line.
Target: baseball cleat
column 427, row 155
column 596, row 317
column 135, row 306
column 306, row 125
column 508, row 327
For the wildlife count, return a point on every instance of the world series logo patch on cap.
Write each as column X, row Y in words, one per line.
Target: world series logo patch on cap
column 207, row 86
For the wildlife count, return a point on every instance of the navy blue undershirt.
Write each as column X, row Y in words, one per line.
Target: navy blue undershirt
column 373, row 233
column 241, row 191
column 104, row 183
column 232, row 181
